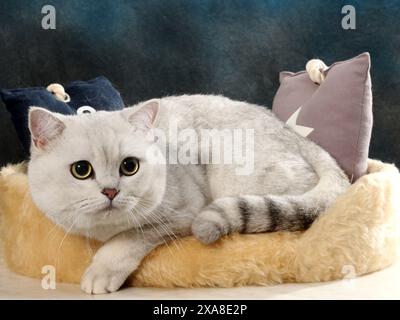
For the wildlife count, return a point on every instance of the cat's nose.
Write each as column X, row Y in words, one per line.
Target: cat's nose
column 110, row 193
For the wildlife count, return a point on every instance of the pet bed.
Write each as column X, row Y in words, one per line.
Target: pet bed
column 358, row 235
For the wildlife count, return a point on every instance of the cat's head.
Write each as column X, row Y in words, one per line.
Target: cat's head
column 91, row 173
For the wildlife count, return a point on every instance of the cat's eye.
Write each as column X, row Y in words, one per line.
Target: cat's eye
column 82, row 170
column 129, row 166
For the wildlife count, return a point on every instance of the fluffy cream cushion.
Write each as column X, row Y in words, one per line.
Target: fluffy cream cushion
column 357, row 235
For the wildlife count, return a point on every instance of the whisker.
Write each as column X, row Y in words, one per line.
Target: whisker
column 88, row 237
column 154, row 228
column 65, row 236
column 166, row 228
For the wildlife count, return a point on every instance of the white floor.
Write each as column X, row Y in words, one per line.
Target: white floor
column 380, row 285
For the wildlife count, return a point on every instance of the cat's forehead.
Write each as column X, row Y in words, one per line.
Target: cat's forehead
column 98, row 124
column 100, row 135
column 100, row 117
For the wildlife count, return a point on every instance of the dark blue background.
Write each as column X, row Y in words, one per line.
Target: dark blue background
column 151, row 48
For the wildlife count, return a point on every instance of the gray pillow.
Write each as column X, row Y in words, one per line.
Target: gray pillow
column 336, row 114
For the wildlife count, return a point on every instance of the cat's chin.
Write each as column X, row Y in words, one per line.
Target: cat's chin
column 102, row 231
column 103, row 221
column 100, row 224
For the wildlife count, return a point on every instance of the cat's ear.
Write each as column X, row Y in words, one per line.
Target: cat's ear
column 44, row 127
column 143, row 117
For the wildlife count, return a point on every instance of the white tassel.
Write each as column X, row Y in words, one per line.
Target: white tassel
column 316, row 70
column 59, row 92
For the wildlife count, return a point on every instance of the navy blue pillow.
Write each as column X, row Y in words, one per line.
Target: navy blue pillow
column 97, row 93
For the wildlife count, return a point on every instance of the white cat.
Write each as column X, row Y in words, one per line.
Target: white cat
column 93, row 175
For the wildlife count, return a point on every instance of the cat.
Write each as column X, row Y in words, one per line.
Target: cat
column 93, row 175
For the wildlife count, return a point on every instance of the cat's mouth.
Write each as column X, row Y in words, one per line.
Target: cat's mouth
column 110, row 207
column 113, row 207
column 107, row 208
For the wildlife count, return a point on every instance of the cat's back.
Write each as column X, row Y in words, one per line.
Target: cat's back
column 273, row 149
column 215, row 111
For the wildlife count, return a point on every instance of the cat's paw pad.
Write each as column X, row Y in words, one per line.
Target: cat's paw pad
column 99, row 279
column 208, row 229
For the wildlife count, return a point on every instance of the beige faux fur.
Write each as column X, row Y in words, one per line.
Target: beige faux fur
column 359, row 234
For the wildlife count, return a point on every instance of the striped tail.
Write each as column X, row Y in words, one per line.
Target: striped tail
column 255, row 213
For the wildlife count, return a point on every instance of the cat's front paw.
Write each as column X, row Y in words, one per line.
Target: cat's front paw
column 209, row 226
column 99, row 279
